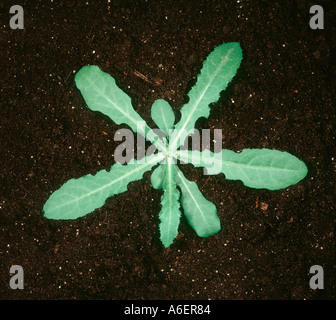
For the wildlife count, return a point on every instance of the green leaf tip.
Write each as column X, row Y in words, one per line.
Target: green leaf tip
column 256, row 168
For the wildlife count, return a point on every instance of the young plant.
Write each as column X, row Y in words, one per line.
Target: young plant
column 256, row 168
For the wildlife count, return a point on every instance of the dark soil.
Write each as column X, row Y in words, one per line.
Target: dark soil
column 283, row 97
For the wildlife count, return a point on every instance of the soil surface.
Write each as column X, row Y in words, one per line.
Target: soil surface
column 283, row 97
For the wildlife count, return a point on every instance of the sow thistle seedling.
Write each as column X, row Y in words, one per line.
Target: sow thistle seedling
column 256, row 168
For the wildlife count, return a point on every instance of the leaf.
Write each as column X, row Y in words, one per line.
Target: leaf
column 200, row 212
column 256, row 168
column 157, row 177
column 78, row 197
column 163, row 115
column 102, row 94
column 218, row 70
column 170, row 213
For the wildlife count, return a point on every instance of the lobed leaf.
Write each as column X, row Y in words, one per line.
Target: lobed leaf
column 256, row 168
column 78, row 197
column 102, row 94
column 218, row 70
column 170, row 212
